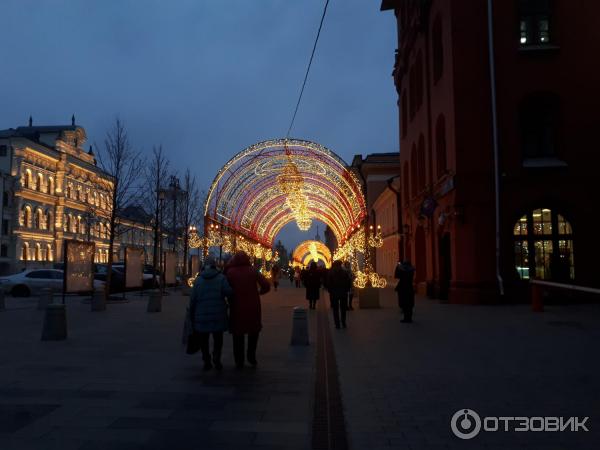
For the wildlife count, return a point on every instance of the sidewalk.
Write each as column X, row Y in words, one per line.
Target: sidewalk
column 401, row 383
column 123, row 381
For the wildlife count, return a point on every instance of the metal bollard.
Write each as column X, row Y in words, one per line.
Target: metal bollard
column 537, row 302
column 154, row 302
column 299, row 327
column 44, row 299
column 55, row 323
column 2, row 302
column 99, row 300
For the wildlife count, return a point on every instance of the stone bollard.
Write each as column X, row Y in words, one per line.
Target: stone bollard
column 44, row 299
column 2, row 303
column 99, row 300
column 154, row 302
column 55, row 323
column 299, row 327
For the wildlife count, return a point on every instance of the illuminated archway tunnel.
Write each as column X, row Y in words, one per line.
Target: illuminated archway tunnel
column 273, row 183
column 309, row 251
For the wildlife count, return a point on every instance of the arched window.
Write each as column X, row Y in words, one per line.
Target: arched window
column 27, row 216
column 38, row 219
column 406, row 184
column 102, row 201
column 102, row 231
column 49, row 220
column 79, row 225
column 438, row 49
column 414, row 185
column 79, row 193
column 40, row 182
column 404, row 113
column 69, row 190
column 440, row 146
column 539, row 125
column 421, row 163
column 50, row 185
column 25, row 251
column 28, row 179
column 38, row 253
column 72, row 224
column 544, row 246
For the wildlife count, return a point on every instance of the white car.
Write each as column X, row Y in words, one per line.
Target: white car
column 32, row 281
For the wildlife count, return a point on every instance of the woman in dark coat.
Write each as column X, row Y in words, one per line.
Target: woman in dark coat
column 405, row 273
column 208, row 310
column 245, row 314
column 312, row 282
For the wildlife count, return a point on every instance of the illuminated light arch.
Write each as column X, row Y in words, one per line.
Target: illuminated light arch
column 246, row 197
column 309, row 251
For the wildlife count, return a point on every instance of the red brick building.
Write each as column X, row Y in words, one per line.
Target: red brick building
column 498, row 143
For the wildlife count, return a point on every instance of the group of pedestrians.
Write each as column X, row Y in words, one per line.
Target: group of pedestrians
column 228, row 300
column 339, row 283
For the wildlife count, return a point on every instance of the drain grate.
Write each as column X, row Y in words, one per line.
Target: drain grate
column 329, row 428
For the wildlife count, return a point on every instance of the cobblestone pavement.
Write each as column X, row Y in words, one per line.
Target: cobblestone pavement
column 401, row 383
column 122, row 380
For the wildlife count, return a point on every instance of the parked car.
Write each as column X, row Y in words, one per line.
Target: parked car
column 32, row 281
column 117, row 279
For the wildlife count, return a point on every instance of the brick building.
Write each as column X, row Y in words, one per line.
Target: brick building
column 498, row 123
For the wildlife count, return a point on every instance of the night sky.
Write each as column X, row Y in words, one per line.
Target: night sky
column 203, row 78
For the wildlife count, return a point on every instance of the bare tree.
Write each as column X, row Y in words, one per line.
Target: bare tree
column 123, row 166
column 190, row 213
column 156, row 175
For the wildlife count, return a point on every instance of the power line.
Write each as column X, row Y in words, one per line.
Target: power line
column 307, row 70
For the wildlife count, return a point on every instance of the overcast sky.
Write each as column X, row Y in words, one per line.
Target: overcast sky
column 204, row 78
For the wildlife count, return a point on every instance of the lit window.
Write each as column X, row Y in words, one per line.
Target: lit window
column 535, row 22
column 543, row 245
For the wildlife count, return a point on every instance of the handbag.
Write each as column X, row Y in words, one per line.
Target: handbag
column 193, row 343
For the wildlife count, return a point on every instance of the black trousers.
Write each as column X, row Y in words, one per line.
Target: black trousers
column 238, row 348
column 338, row 304
column 350, row 297
column 217, row 346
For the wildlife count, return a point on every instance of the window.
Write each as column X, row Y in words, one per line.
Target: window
column 5, row 198
column 49, row 254
column 440, row 146
column 405, row 184
column 25, row 251
column 535, row 22
column 45, row 274
column 40, row 182
column 404, row 113
column 3, row 250
column 414, row 186
column 27, row 216
column 37, row 220
column 438, row 49
column 544, row 246
column 422, row 178
column 3, row 150
column 50, row 185
column 5, row 227
column 539, row 125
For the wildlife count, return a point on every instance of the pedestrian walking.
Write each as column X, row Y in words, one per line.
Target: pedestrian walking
column 245, row 311
column 208, row 310
column 352, row 289
column 297, row 276
column 338, row 284
column 312, row 281
column 405, row 273
column 275, row 275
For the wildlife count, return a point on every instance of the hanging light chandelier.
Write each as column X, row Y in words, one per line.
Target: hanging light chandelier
column 291, row 184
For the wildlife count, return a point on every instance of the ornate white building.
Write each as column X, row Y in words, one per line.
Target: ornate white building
column 52, row 191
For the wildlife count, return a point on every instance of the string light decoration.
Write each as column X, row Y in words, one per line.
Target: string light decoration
column 309, row 251
column 194, row 240
column 249, row 195
column 375, row 237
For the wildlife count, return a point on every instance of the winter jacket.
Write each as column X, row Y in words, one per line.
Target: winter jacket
column 208, row 307
column 338, row 282
column 312, row 281
column 245, row 313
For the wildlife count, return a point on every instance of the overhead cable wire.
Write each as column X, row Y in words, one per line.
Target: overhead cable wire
column 312, row 55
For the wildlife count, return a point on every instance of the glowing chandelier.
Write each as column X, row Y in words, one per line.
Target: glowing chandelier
column 291, row 184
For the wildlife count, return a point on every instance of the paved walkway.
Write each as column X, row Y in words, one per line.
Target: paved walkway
column 122, row 380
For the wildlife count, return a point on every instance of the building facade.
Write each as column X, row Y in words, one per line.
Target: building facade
column 497, row 132
column 52, row 190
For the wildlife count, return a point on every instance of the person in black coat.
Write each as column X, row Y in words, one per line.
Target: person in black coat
column 338, row 284
column 405, row 273
column 312, row 281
